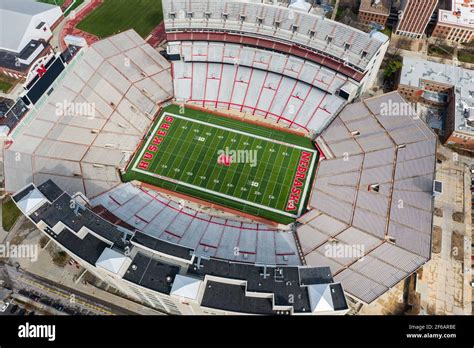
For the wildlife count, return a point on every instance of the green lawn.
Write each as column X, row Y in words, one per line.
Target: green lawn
column 182, row 154
column 115, row 16
column 442, row 51
column 387, row 31
column 6, row 83
column 10, row 213
column 5, row 86
column 466, row 56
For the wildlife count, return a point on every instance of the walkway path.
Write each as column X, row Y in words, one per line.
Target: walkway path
column 69, row 27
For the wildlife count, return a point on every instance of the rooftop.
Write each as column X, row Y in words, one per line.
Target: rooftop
column 11, row 60
column 19, row 17
column 88, row 248
column 380, row 7
column 75, row 217
column 284, row 282
column 233, row 298
column 415, row 71
column 233, row 285
column 461, row 13
column 151, row 273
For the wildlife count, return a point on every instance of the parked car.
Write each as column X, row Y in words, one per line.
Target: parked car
column 32, row 313
column 35, row 298
column 58, row 307
column 22, row 311
column 69, row 311
column 4, row 307
column 45, row 301
column 14, row 309
column 24, row 293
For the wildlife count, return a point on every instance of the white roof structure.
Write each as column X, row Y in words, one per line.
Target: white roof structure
column 79, row 147
column 320, row 298
column 111, row 260
column 33, row 200
column 300, row 5
column 186, row 287
column 462, row 13
column 20, row 20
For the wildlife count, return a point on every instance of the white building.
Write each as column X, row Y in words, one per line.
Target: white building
column 26, row 27
column 173, row 278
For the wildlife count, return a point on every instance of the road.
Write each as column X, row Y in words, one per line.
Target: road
column 72, row 299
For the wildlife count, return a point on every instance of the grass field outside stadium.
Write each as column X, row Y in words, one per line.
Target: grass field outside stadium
column 257, row 170
column 115, row 16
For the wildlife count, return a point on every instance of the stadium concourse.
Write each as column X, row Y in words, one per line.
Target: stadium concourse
column 372, row 191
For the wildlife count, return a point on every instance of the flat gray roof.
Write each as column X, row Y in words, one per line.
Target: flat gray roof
column 415, row 71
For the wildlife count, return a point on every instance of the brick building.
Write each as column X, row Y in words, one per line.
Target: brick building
column 456, row 24
column 374, row 11
column 443, row 86
column 414, row 17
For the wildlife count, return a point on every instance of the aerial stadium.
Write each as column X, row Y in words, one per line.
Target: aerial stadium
column 221, row 176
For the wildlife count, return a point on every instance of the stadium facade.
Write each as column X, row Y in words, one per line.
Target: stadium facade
column 372, row 192
column 173, row 278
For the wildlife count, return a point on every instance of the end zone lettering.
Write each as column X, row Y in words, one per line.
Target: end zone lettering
column 157, row 140
column 299, row 180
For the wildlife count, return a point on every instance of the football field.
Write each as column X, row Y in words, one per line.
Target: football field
column 257, row 170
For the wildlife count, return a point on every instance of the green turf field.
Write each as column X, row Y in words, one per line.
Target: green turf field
column 115, row 16
column 186, row 152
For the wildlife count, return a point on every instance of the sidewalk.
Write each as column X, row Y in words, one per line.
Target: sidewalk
column 116, row 300
column 69, row 27
column 444, row 284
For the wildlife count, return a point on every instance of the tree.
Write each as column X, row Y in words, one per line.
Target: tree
column 392, row 68
column 60, row 259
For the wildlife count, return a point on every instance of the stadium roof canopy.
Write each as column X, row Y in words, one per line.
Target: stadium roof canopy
column 19, row 20
column 373, row 196
column 100, row 106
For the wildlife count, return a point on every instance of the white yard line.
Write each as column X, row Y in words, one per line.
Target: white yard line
column 232, row 198
column 281, row 212
column 244, row 133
